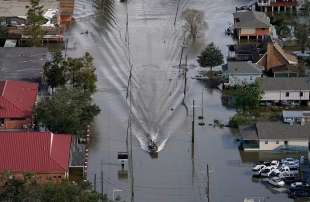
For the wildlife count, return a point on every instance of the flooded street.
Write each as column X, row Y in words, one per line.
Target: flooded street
column 155, row 47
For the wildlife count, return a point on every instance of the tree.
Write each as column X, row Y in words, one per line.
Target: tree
column 68, row 111
column 302, row 34
column 306, row 8
column 194, row 22
column 248, row 97
column 81, row 73
column 211, row 57
column 55, row 72
column 28, row 190
column 35, row 20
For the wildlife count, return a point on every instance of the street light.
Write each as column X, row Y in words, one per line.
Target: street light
column 113, row 193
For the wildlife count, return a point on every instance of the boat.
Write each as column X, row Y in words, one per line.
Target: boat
column 152, row 147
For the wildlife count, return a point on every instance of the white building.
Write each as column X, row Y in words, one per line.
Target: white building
column 268, row 136
column 291, row 89
column 241, row 73
column 292, row 117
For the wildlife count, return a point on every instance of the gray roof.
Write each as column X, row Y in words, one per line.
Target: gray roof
column 276, row 131
column 22, row 63
column 300, row 114
column 251, row 19
column 291, row 83
column 242, row 67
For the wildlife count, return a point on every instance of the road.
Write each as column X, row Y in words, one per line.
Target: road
column 155, row 46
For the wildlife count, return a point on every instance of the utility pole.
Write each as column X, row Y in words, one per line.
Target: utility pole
column 95, row 182
column 208, row 188
column 101, row 175
column 193, row 123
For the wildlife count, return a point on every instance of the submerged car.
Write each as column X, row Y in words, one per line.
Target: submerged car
column 276, row 181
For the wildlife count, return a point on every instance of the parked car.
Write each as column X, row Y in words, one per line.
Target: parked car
column 266, row 171
column 276, row 181
column 289, row 161
column 298, row 184
column 300, row 193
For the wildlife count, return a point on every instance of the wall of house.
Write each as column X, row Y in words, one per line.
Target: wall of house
column 245, row 32
column 17, row 123
column 281, row 95
column 273, row 144
column 234, row 80
column 43, row 178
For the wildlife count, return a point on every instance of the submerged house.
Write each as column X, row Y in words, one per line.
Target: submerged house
column 44, row 154
column 278, row 62
column 277, row 5
column 251, row 25
column 272, row 136
column 285, row 90
column 241, row 73
column 17, row 100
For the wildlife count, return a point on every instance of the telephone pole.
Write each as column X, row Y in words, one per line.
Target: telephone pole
column 193, row 123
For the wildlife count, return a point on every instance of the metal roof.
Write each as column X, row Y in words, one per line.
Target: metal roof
column 39, row 152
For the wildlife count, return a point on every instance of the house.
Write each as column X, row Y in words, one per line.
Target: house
column 17, row 99
column 241, row 73
column 277, row 5
column 44, row 154
column 285, row 90
column 292, row 117
column 25, row 64
column 245, row 52
column 251, row 25
column 278, row 62
column 273, row 136
column 66, row 11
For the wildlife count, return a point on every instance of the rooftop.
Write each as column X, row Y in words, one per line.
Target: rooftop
column 34, row 152
column 22, row 63
column 17, row 98
column 275, row 130
column 290, row 83
column 251, row 19
column 242, row 67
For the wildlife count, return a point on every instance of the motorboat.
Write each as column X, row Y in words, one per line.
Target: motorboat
column 276, row 181
column 152, row 147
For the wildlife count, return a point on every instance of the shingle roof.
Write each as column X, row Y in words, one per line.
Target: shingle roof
column 275, row 130
column 251, row 19
column 40, row 152
column 242, row 67
column 279, row 130
column 22, row 63
column 291, row 83
column 17, row 98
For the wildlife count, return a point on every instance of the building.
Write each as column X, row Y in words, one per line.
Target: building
column 44, row 154
column 273, row 136
column 285, row 90
column 25, row 64
column 251, row 25
column 239, row 73
column 292, row 117
column 278, row 62
column 17, row 99
column 277, row 5
column 66, row 11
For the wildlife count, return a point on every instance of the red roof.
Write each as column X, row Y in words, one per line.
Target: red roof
column 17, row 98
column 38, row 152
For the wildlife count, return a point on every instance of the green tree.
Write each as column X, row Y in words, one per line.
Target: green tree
column 211, row 56
column 194, row 22
column 81, row 73
column 35, row 20
column 248, row 97
column 68, row 111
column 55, row 72
column 306, row 8
column 28, row 190
column 302, row 34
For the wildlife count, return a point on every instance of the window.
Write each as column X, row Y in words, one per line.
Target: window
column 277, row 142
column 287, row 94
column 266, row 142
column 301, row 94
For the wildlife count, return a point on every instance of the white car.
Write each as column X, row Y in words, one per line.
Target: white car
column 296, row 184
column 290, row 161
column 258, row 167
column 266, row 171
column 276, row 181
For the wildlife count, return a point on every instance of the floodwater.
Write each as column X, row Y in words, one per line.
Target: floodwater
column 179, row 173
